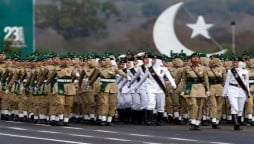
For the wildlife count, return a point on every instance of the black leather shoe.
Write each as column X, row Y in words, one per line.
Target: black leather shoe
column 215, row 126
column 194, row 127
column 237, row 127
column 102, row 123
column 109, row 124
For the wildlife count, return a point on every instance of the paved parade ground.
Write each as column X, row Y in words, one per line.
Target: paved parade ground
column 27, row 133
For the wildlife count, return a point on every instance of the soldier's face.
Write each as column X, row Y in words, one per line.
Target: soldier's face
column 153, row 61
column 235, row 64
column 103, row 62
column 145, row 61
column 128, row 64
column 64, row 62
column 195, row 59
column 121, row 65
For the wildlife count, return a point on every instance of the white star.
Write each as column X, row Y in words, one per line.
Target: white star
column 200, row 28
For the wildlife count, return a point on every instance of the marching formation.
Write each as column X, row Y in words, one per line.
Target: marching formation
column 138, row 88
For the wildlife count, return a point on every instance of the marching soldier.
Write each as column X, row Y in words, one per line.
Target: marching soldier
column 156, row 89
column 141, row 71
column 125, row 96
column 216, row 75
column 236, row 88
column 65, row 91
column 249, row 103
column 108, row 95
column 195, row 80
column 2, row 89
column 88, row 93
column 178, row 102
column 227, row 64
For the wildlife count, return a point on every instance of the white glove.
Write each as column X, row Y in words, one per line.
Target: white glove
column 77, row 74
column 207, row 93
column 182, row 93
column 7, row 91
column 128, row 78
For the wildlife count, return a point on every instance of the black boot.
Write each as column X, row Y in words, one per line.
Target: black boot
column 134, row 117
column 235, row 121
column 120, row 115
column 242, row 123
column 159, row 119
column 250, row 122
column 144, row 116
column 149, row 117
column 140, row 117
column 127, row 115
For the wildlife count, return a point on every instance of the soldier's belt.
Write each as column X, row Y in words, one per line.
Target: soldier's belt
column 108, row 80
column 214, row 82
column 64, row 80
column 195, row 80
column 251, row 82
column 236, row 85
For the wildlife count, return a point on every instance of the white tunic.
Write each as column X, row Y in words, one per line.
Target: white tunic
column 234, row 91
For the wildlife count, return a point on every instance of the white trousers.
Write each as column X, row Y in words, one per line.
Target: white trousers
column 237, row 105
column 156, row 101
column 136, row 101
column 144, row 99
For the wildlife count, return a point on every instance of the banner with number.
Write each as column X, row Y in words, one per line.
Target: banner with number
column 17, row 24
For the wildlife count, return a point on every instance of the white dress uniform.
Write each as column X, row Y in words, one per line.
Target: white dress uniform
column 136, row 100
column 156, row 96
column 236, row 95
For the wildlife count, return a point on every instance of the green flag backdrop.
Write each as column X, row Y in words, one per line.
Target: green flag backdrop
column 17, row 24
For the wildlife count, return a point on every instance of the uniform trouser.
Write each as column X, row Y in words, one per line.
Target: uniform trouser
column 77, row 104
column 4, row 102
column 168, row 105
column 156, row 101
column 215, row 104
column 249, row 106
column 13, row 101
column 43, row 103
column 88, row 102
column 56, row 104
column 178, row 104
column 127, row 100
column 120, row 101
column 68, row 103
column 1, row 98
column 237, row 105
column 23, row 103
column 136, row 101
column 144, row 99
column 195, row 105
column 30, row 103
column 175, row 101
column 226, row 107
column 107, row 104
column 35, row 105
